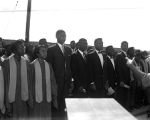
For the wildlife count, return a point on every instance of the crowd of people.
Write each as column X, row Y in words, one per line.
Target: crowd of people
column 35, row 80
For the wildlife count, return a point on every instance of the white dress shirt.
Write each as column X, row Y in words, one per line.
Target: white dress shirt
column 100, row 57
column 81, row 54
column 112, row 61
column 61, row 47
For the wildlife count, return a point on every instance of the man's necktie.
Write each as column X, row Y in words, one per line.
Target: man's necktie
column 101, row 57
column 63, row 49
column 84, row 54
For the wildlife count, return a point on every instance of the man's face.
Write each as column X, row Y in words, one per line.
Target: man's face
column 111, row 51
column 43, row 52
column 98, row 45
column 83, row 45
column 43, row 42
column 21, row 49
column 124, row 46
column 73, row 45
column 61, row 38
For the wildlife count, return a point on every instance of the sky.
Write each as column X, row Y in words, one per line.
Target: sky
column 112, row 20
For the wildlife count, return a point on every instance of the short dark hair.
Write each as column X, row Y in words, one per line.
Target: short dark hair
column 42, row 39
column 97, row 39
column 37, row 49
column 58, row 32
column 108, row 47
column 124, row 42
column 72, row 41
column 16, row 44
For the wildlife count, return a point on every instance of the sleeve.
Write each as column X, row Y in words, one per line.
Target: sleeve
column 148, row 62
column 90, row 70
column 53, row 82
column 50, row 56
column 74, row 69
column 5, row 67
column 107, row 81
column 30, row 83
column 119, row 68
column 53, row 88
column 2, row 107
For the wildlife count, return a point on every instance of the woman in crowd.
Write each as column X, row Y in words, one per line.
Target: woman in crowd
column 2, row 106
column 43, row 84
column 17, row 86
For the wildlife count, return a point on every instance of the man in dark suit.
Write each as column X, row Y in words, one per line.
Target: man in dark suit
column 59, row 57
column 123, row 74
column 73, row 46
column 110, row 72
column 79, row 69
column 96, row 65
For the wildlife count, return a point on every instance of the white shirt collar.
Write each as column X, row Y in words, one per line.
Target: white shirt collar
column 110, row 57
column 97, row 51
column 80, row 52
column 60, row 45
column 124, row 52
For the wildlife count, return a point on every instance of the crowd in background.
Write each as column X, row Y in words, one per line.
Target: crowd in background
column 35, row 80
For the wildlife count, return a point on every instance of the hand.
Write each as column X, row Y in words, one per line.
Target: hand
column 127, row 86
column 122, row 84
column 81, row 89
column 110, row 91
column 71, row 85
column 3, row 109
column 8, row 111
column 8, row 106
column 30, row 103
column 54, row 102
column 106, row 85
column 129, row 62
column 92, row 86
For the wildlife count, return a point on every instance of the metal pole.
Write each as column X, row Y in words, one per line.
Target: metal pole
column 28, row 21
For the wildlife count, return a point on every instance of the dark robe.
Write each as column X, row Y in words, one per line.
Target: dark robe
column 43, row 109
column 123, row 74
column 19, row 108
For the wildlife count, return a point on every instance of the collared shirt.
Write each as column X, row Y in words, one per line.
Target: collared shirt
column 112, row 61
column 73, row 50
column 61, row 47
column 100, row 57
column 124, row 53
column 81, row 54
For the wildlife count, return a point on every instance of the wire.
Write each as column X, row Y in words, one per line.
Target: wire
column 9, row 20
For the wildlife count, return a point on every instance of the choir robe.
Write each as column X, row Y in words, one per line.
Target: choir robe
column 43, row 109
column 18, row 108
column 2, row 106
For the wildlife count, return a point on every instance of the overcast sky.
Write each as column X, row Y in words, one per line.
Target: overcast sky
column 112, row 20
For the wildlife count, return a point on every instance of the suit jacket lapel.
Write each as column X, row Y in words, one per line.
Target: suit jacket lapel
column 110, row 62
column 98, row 59
column 59, row 49
column 123, row 54
column 79, row 54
